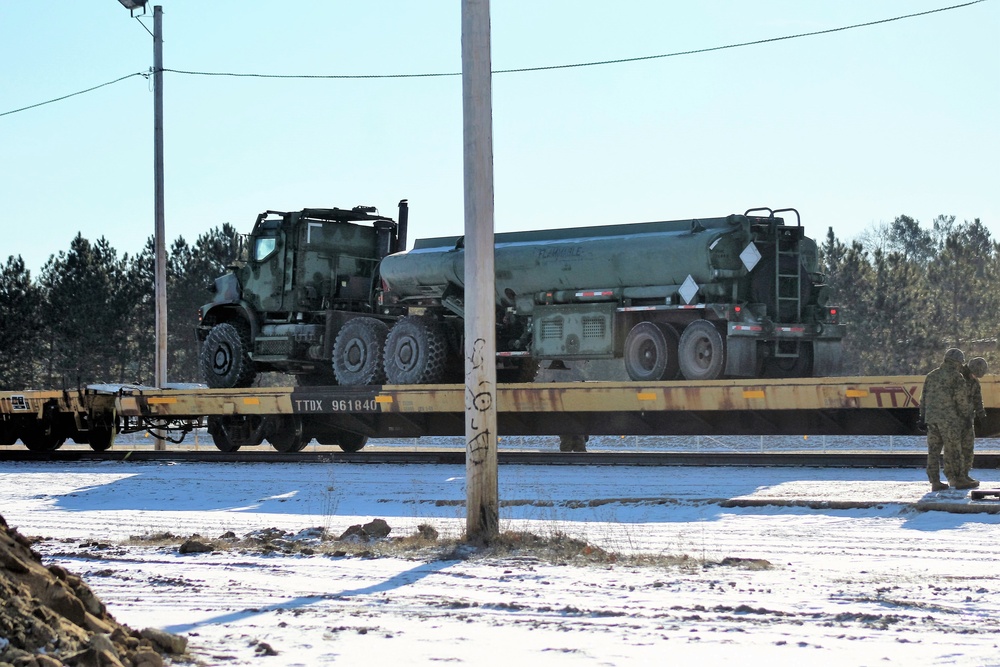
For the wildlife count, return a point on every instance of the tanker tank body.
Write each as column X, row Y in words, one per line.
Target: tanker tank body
column 733, row 296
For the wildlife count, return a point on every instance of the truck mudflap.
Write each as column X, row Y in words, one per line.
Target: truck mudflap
column 828, row 357
column 741, row 357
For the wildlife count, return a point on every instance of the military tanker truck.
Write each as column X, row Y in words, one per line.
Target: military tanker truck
column 331, row 296
column 736, row 296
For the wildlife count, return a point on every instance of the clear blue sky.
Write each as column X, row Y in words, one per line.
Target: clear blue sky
column 852, row 128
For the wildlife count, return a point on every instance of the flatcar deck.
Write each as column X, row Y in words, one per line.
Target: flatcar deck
column 816, row 406
column 820, row 406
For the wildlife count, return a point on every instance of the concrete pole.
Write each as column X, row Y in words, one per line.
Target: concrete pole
column 160, row 252
column 482, row 496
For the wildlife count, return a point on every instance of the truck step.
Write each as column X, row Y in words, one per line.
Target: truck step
column 982, row 494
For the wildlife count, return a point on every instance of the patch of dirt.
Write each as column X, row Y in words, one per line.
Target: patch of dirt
column 373, row 540
column 49, row 618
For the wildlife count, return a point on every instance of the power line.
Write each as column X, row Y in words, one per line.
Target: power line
column 742, row 44
column 516, row 70
column 595, row 63
column 79, row 92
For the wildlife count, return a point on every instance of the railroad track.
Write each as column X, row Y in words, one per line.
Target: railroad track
column 457, row 457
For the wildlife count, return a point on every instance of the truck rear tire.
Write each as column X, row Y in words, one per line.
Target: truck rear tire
column 225, row 357
column 415, row 351
column 357, row 352
column 651, row 352
column 701, row 352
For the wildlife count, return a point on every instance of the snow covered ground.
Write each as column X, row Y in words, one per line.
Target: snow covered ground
column 866, row 566
column 200, row 440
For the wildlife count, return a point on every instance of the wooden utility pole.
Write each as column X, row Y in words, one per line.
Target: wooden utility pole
column 482, row 495
column 160, row 250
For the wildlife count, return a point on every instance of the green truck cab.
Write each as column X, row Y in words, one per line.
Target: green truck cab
column 306, row 275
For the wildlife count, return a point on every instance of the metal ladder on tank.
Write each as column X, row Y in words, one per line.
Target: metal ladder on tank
column 787, row 283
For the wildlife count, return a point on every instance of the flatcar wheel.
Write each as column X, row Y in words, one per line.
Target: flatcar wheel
column 651, row 352
column 352, row 442
column 102, row 436
column 8, row 432
column 346, row 440
column 701, row 352
column 289, row 435
column 39, row 439
column 220, row 435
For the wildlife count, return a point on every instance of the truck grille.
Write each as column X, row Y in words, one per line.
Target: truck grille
column 552, row 329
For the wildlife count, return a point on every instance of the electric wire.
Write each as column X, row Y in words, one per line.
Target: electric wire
column 79, row 92
column 541, row 68
column 516, row 70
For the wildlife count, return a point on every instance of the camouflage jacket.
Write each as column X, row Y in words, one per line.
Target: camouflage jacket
column 946, row 397
column 975, row 393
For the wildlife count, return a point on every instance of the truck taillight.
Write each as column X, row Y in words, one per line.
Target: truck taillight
column 832, row 315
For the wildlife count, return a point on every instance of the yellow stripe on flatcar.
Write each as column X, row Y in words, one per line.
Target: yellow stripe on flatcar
column 383, row 399
column 856, row 393
column 161, row 400
column 753, row 393
column 646, row 396
column 251, row 400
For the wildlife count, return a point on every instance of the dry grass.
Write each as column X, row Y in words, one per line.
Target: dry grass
column 424, row 544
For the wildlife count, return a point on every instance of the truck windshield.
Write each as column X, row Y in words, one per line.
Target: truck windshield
column 263, row 248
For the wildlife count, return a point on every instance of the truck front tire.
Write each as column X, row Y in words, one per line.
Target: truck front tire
column 225, row 357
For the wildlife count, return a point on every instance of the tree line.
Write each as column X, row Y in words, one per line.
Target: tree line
column 909, row 292
column 906, row 293
column 90, row 316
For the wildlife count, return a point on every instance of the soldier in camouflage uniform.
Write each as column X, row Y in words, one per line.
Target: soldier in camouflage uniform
column 972, row 371
column 946, row 409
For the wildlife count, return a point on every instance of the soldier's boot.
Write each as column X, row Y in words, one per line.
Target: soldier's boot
column 936, row 483
column 974, row 483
